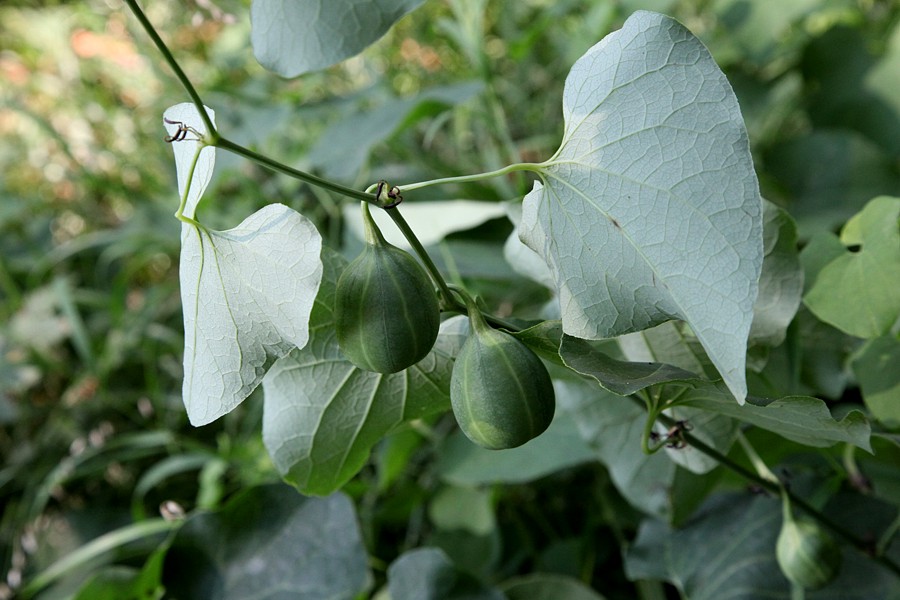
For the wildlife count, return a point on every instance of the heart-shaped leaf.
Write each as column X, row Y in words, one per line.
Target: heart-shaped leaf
column 246, row 293
column 731, row 541
column 859, row 291
column 292, row 37
column 650, row 209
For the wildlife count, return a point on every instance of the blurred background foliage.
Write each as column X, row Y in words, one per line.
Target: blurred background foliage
column 92, row 431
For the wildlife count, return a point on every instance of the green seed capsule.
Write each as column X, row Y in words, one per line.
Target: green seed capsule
column 500, row 391
column 806, row 554
column 386, row 310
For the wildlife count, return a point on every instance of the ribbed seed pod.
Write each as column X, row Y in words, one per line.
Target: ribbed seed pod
column 500, row 391
column 386, row 310
column 806, row 554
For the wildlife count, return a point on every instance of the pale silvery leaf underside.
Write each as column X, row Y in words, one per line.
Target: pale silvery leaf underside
column 650, row 209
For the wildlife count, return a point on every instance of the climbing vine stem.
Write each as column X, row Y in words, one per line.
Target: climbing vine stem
column 776, row 488
column 212, row 134
column 274, row 165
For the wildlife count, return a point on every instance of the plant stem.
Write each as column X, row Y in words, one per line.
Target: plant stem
column 212, row 137
column 761, row 468
column 776, row 488
column 535, row 167
column 884, row 541
column 406, row 230
column 462, row 307
column 179, row 214
column 211, row 132
column 653, row 412
column 273, row 164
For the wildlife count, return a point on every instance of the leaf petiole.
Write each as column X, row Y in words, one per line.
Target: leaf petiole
column 179, row 214
column 654, row 410
column 534, row 167
column 761, row 468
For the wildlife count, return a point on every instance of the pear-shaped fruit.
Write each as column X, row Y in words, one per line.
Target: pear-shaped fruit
column 500, row 391
column 806, row 554
column 386, row 309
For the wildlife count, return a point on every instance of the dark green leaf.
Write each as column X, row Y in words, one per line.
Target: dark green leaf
column 850, row 86
column 670, row 343
column 427, row 574
column 876, row 367
column 799, row 418
column 617, row 376
column 270, row 543
column 548, row 587
column 830, row 175
column 727, row 550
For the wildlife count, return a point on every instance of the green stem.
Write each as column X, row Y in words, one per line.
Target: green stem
column 884, row 541
column 212, row 137
column 856, row 477
column 449, row 300
column 97, row 547
column 211, row 132
column 776, row 488
column 653, row 413
column 761, row 468
column 535, row 167
column 274, row 165
column 179, row 214
column 462, row 308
